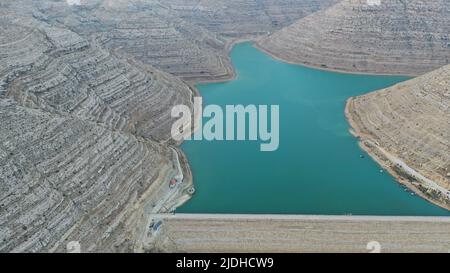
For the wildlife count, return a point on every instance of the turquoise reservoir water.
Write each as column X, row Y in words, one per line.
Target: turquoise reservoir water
column 317, row 168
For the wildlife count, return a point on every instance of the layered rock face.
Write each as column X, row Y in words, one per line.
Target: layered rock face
column 240, row 18
column 65, row 179
column 78, row 160
column 155, row 35
column 185, row 38
column 407, row 129
column 147, row 31
column 394, row 37
column 64, row 73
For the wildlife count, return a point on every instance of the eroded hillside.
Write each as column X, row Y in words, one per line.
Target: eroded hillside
column 79, row 160
column 407, row 129
column 242, row 18
column 396, row 37
column 65, row 179
column 189, row 39
column 67, row 74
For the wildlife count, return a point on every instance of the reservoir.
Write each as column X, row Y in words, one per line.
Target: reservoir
column 319, row 167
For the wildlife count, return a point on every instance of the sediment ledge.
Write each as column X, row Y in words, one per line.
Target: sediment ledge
column 300, row 233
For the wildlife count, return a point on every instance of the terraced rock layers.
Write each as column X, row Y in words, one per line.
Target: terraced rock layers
column 189, row 39
column 396, row 37
column 406, row 128
column 80, row 157
column 240, row 18
column 64, row 179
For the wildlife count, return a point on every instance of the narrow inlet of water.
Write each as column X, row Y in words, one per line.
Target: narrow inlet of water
column 318, row 167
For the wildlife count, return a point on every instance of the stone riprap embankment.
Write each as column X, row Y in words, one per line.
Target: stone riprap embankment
column 301, row 233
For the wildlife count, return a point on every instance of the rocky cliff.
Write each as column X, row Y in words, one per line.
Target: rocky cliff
column 79, row 156
column 390, row 37
column 63, row 179
column 240, row 18
column 407, row 129
column 189, row 39
column 65, row 73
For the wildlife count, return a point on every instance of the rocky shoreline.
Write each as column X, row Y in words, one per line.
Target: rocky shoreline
column 403, row 176
column 260, row 46
column 405, row 130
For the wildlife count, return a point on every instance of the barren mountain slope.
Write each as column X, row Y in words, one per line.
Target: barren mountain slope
column 407, row 128
column 65, row 179
column 77, row 159
column 189, row 39
column 190, row 45
column 146, row 31
column 240, row 18
column 396, row 37
column 65, row 73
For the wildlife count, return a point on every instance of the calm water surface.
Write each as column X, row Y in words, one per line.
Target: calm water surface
column 317, row 168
